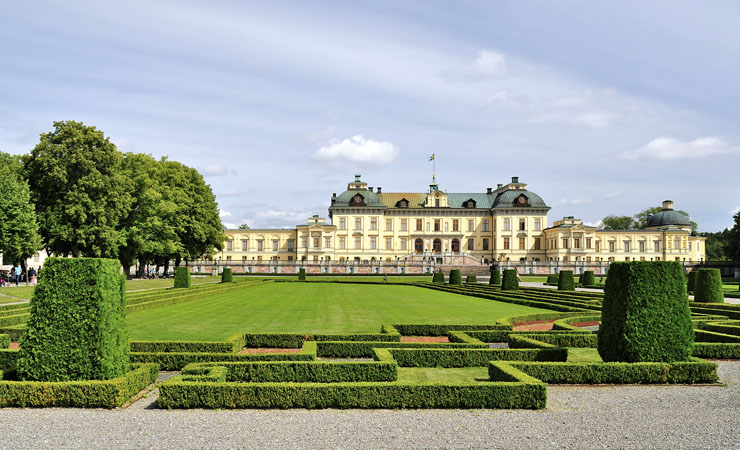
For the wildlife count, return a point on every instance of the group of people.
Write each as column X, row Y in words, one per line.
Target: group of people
column 16, row 276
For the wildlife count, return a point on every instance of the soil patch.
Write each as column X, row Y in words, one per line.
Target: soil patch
column 425, row 339
column 585, row 324
column 537, row 325
column 14, row 346
column 270, row 350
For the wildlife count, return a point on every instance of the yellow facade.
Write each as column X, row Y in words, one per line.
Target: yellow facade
column 508, row 223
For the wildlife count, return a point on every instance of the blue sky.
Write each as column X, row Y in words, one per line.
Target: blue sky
column 601, row 107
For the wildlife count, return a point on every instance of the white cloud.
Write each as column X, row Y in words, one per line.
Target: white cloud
column 356, row 152
column 489, row 65
column 124, row 145
column 214, row 170
column 665, row 148
column 222, row 213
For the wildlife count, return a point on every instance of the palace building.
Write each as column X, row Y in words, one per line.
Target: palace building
column 506, row 224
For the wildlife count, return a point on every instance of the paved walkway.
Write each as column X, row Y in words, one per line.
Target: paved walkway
column 577, row 417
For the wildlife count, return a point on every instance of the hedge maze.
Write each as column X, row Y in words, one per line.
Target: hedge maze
column 506, row 363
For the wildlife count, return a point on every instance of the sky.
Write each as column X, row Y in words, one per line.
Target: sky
column 600, row 107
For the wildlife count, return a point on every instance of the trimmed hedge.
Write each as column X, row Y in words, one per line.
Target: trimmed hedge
column 77, row 327
column 226, row 275
column 708, row 286
column 301, row 274
column 712, row 336
column 565, row 281
column 455, row 276
column 303, row 371
column 439, row 330
column 510, row 281
column 438, row 277
column 182, row 347
column 359, row 349
column 471, row 279
column 716, row 350
column 587, row 278
column 178, row 360
column 176, row 393
column 182, row 278
column 684, row 372
column 78, row 394
column 645, row 316
column 4, row 341
column 691, row 282
column 567, row 339
column 552, row 279
column 495, row 278
column 472, row 357
column 8, row 359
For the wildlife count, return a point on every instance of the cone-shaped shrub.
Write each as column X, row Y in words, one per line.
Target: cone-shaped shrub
column 645, row 314
column 510, row 281
column 495, row 278
column 691, row 283
column 552, row 278
column 439, row 277
column 226, row 275
column 565, row 281
column 708, row 287
column 301, row 274
column 77, row 327
column 455, row 277
column 587, row 278
column 182, row 277
column 471, row 279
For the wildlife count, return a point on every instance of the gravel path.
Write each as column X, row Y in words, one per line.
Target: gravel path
column 576, row 417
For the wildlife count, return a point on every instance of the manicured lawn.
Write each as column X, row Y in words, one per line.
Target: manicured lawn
column 583, row 355
column 11, row 294
column 312, row 308
column 392, row 279
column 135, row 285
column 423, row 375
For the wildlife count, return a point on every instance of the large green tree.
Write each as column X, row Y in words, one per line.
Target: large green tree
column 732, row 250
column 19, row 238
column 81, row 194
column 617, row 223
column 716, row 245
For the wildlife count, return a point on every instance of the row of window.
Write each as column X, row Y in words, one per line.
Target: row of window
column 437, row 224
column 626, row 245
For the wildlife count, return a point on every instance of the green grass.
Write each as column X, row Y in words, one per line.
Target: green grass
column 417, row 375
column 392, row 279
column 12, row 294
column 312, row 308
column 583, row 355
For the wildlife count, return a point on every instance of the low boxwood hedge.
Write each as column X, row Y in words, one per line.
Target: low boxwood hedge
column 439, row 330
column 563, row 339
column 471, row 279
column 472, row 357
column 713, row 336
column 510, row 281
column 683, row 372
column 78, row 394
column 182, row 278
column 303, row 371
column 438, row 277
column 359, row 349
column 552, row 279
column 716, row 350
column 4, row 341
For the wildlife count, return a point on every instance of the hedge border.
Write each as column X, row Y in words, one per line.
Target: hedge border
column 299, row 371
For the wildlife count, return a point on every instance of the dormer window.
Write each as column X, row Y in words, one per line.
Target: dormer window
column 522, row 200
column 357, row 200
column 403, row 203
column 470, row 203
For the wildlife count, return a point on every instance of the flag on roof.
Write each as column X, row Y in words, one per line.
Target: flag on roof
column 431, row 157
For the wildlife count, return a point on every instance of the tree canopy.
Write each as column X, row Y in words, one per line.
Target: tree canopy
column 732, row 249
column 19, row 239
column 638, row 221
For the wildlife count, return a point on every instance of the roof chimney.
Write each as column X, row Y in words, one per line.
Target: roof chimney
column 668, row 204
column 357, row 177
column 379, row 188
column 370, row 188
column 498, row 186
column 515, row 179
column 489, row 191
column 334, row 194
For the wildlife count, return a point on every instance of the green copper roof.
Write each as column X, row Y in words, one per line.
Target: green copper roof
column 370, row 198
column 506, row 199
column 668, row 217
column 482, row 201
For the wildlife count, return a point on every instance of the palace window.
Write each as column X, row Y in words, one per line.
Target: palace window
column 315, row 258
column 404, row 225
column 471, row 225
column 537, row 243
column 290, row 257
column 507, row 243
column 522, row 224
column 656, row 246
column 565, row 243
column 471, row 244
column 304, row 242
column 429, row 226
column 437, row 225
column 598, row 246
column 642, row 246
column 260, row 245
column 358, row 223
column 522, row 244
column 342, row 243
column 455, row 225
column 358, row 243
column 291, row 245
column 447, row 227
column 537, row 224
column 626, row 246
column 259, row 258
column 588, row 243
column 275, row 245
column 612, row 247
column 245, row 245
column 373, row 242
column 507, row 224
column 404, row 244
column 576, row 243
column 485, row 224
column 388, row 224
column 342, row 223
column 419, row 225
column 373, row 223
column 228, row 258
column 436, row 203
column 317, row 242
column 677, row 243
column 485, row 243
column 327, row 242
column 244, row 259
column 388, row 244
column 229, row 245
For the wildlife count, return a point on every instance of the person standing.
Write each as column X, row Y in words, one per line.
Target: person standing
column 18, row 272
